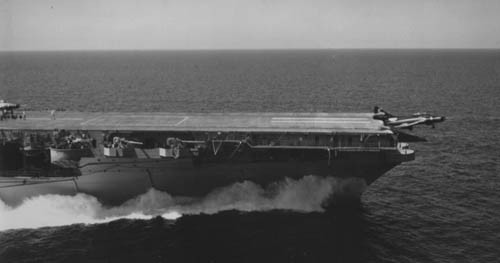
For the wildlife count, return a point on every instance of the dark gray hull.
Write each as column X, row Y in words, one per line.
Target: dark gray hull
column 113, row 181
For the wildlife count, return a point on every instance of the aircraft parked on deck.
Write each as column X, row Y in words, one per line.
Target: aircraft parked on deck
column 407, row 122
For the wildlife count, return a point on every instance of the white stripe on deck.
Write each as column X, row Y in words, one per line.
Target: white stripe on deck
column 320, row 120
column 183, row 120
column 137, row 120
column 91, row 120
column 316, row 118
column 56, row 119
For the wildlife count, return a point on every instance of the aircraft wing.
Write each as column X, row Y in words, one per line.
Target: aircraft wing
column 409, row 124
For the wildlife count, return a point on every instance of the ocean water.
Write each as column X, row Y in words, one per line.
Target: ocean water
column 442, row 207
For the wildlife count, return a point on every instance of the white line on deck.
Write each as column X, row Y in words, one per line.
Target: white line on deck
column 317, row 118
column 152, row 116
column 48, row 119
column 183, row 120
column 319, row 121
column 91, row 120
column 137, row 120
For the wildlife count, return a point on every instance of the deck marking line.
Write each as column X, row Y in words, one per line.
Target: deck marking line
column 349, row 118
column 91, row 120
column 69, row 119
column 38, row 118
column 48, row 119
column 320, row 121
column 141, row 116
column 137, row 120
column 183, row 120
column 327, row 120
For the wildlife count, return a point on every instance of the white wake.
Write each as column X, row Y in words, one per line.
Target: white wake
column 306, row 195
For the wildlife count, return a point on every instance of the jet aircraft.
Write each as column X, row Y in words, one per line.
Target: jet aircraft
column 7, row 108
column 407, row 122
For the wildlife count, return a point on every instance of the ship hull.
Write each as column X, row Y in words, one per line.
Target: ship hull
column 113, row 181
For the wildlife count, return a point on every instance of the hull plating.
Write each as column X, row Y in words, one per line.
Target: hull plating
column 115, row 180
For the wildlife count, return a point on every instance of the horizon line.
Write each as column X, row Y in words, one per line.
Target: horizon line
column 241, row 49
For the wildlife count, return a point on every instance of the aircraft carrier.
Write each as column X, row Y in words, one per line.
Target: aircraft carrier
column 117, row 156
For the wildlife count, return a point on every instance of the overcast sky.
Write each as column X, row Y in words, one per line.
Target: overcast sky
column 248, row 24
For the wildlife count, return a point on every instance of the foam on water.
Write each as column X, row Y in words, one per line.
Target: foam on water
column 306, row 195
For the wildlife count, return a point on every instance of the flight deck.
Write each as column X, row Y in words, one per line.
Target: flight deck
column 210, row 122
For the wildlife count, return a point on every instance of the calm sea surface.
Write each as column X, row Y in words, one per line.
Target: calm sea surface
column 442, row 207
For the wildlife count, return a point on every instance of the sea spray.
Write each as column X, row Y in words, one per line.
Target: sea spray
column 50, row 210
column 303, row 195
column 57, row 210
